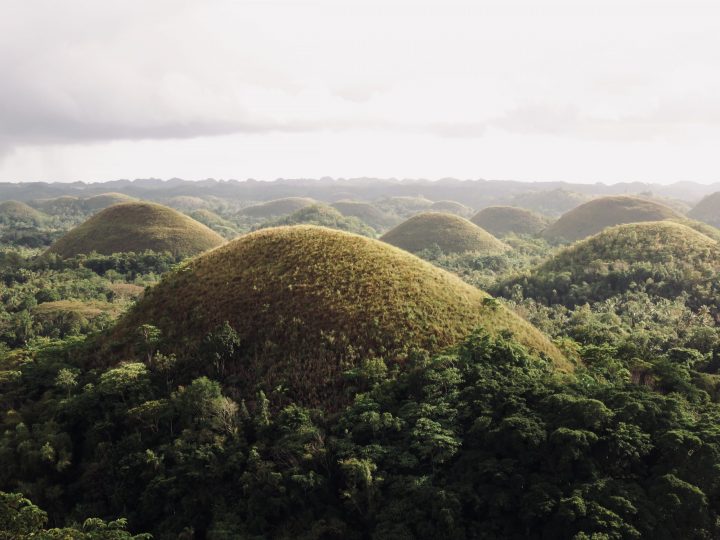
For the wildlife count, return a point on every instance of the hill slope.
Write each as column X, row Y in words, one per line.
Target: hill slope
column 16, row 213
column 365, row 212
column 278, row 207
column 323, row 216
column 451, row 207
column 309, row 302
column 663, row 258
column 137, row 226
column 503, row 220
column 98, row 202
column 451, row 233
column 707, row 210
column 598, row 214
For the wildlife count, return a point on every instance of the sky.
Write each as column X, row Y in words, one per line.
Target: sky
column 577, row 90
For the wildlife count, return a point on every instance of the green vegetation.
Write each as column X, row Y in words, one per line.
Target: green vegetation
column 137, row 227
column 503, row 220
column 322, row 216
column 404, row 206
column 187, row 202
column 707, row 210
column 665, row 259
column 18, row 214
column 447, row 232
column 598, row 214
column 102, row 201
column 367, row 213
column 217, row 223
column 278, row 207
column 308, row 302
column 549, row 203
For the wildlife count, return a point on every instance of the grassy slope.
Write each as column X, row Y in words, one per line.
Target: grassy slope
column 278, row 207
column 451, row 233
column 598, row 214
column 503, row 220
column 324, row 216
column 707, row 210
column 15, row 211
column 366, row 212
column 98, row 202
column 137, row 226
column 309, row 301
column 451, row 207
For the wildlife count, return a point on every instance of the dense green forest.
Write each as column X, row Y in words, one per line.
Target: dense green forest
column 485, row 438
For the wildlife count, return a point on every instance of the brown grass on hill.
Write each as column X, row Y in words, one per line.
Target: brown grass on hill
column 504, row 220
column 137, row 226
column 310, row 302
column 598, row 214
column 450, row 233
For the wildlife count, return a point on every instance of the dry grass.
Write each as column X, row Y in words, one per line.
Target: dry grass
column 451, row 233
column 309, row 302
column 504, row 220
column 594, row 216
column 137, row 226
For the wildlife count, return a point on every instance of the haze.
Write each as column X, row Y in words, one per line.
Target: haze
column 578, row 91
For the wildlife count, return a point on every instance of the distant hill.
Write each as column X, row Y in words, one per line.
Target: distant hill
column 503, row 220
column 598, row 214
column 323, row 216
column 404, row 206
column 367, row 213
column 450, row 233
column 278, row 207
column 137, row 226
column 216, row 222
column 309, row 302
column 187, row 202
column 707, row 210
column 551, row 202
column 664, row 258
column 99, row 202
column 15, row 213
column 451, row 207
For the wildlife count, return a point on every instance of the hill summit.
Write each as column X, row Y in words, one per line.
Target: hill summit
column 450, row 233
column 137, row 226
column 594, row 216
column 503, row 220
column 308, row 303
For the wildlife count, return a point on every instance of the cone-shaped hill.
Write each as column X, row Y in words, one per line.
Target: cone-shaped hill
column 310, row 302
column 98, row 202
column 504, row 220
column 365, row 212
column 663, row 258
column 323, row 216
column 451, row 207
column 278, row 207
column 450, row 233
column 137, row 226
column 594, row 216
column 19, row 213
column 707, row 210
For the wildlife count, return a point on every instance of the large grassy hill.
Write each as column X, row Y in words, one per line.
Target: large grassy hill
column 594, row 216
column 19, row 213
column 503, row 220
column 137, row 226
column 277, row 207
column 323, row 216
column 664, row 258
column 707, row 210
column 450, row 233
column 310, row 302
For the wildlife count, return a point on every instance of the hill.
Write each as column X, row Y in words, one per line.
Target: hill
column 18, row 213
column 216, row 222
column 308, row 302
column 451, row 207
column 323, row 216
column 663, row 258
column 707, row 210
column 552, row 202
column 365, row 212
column 503, row 220
column 404, row 206
column 598, row 214
column 137, row 226
column 99, row 202
column 450, row 233
column 187, row 203
column 278, row 207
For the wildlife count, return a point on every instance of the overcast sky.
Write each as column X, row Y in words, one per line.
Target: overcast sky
column 572, row 90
